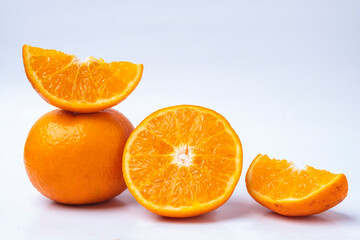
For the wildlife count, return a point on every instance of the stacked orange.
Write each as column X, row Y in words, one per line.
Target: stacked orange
column 180, row 161
column 74, row 155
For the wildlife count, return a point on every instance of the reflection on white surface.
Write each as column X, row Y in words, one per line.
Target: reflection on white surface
column 124, row 218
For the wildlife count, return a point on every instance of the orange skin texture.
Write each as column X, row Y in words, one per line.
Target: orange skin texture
column 328, row 197
column 75, row 158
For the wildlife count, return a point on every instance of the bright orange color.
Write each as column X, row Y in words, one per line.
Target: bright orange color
column 182, row 161
column 77, row 158
column 281, row 187
column 79, row 86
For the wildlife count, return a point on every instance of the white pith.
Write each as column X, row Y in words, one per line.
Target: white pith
column 183, row 156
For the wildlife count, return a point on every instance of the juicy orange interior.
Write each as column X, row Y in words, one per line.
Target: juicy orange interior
column 63, row 75
column 280, row 179
column 181, row 158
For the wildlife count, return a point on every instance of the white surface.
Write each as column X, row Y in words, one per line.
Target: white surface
column 284, row 73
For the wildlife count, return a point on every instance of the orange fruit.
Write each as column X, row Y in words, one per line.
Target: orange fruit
column 76, row 158
column 182, row 161
column 79, row 86
column 281, row 187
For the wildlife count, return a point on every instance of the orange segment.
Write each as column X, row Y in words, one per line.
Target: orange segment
column 182, row 161
column 281, row 187
column 88, row 86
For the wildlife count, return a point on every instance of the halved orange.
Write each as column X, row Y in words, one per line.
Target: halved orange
column 287, row 190
column 80, row 86
column 182, row 161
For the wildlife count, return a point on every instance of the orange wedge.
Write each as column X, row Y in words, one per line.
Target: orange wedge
column 79, row 86
column 182, row 161
column 281, row 187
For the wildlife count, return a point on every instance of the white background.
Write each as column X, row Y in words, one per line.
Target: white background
column 286, row 74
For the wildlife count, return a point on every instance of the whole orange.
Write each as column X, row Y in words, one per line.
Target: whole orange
column 75, row 158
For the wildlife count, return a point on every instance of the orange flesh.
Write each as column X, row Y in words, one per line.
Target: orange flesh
column 183, row 157
column 280, row 179
column 60, row 72
column 60, row 76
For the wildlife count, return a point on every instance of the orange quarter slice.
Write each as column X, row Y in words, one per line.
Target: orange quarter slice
column 80, row 86
column 182, row 161
column 287, row 190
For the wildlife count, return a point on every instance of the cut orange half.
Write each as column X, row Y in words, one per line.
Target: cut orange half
column 79, row 86
column 281, row 187
column 182, row 161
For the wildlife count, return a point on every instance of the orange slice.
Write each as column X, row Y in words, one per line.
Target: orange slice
column 182, row 161
column 79, row 86
column 281, row 187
